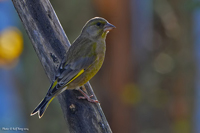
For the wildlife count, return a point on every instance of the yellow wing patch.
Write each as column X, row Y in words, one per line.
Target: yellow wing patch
column 54, row 84
column 75, row 76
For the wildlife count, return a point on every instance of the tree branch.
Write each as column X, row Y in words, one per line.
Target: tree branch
column 51, row 43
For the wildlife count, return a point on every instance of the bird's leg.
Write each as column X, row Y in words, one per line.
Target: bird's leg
column 83, row 88
column 85, row 96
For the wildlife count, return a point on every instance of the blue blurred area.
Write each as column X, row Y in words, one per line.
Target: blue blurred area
column 8, row 15
column 11, row 115
column 10, row 111
column 142, row 27
column 196, row 30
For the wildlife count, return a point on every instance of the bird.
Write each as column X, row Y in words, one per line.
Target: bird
column 82, row 61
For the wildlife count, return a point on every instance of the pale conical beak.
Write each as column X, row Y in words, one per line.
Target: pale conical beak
column 108, row 27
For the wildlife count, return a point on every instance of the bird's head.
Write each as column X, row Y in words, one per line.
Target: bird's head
column 97, row 28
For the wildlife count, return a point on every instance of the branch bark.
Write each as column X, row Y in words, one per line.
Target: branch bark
column 51, row 43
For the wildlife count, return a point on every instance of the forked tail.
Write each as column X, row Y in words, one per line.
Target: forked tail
column 41, row 108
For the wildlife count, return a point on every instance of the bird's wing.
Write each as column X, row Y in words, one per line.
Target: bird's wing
column 74, row 68
column 70, row 72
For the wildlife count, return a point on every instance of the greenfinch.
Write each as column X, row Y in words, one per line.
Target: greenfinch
column 83, row 60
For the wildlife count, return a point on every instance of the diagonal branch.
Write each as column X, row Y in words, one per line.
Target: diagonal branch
column 51, row 43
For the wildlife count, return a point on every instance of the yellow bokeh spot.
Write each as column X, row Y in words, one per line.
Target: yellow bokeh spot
column 181, row 126
column 131, row 94
column 11, row 44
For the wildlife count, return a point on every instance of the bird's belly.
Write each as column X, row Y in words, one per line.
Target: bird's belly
column 87, row 75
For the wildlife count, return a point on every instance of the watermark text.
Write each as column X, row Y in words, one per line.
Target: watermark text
column 14, row 129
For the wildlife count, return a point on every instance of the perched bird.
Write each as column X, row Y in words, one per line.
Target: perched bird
column 83, row 60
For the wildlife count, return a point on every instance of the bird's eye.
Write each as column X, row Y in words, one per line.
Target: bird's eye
column 98, row 24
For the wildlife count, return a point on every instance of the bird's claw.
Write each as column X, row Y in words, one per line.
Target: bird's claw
column 88, row 98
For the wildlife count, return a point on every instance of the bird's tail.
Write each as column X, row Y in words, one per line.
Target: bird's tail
column 41, row 108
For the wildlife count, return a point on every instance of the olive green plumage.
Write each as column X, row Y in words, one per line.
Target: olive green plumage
column 83, row 60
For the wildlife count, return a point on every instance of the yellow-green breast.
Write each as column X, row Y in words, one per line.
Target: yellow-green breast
column 92, row 69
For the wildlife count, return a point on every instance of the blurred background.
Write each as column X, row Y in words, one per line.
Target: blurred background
column 150, row 80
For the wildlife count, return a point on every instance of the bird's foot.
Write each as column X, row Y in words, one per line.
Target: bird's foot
column 88, row 98
column 85, row 96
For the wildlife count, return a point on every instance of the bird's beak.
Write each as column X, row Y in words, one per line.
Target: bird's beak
column 108, row 27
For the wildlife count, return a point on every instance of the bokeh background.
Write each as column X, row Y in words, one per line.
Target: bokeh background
column 150, row 80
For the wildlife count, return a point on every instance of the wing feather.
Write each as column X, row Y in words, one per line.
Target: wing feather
column 75, row 63
column 71, row 71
